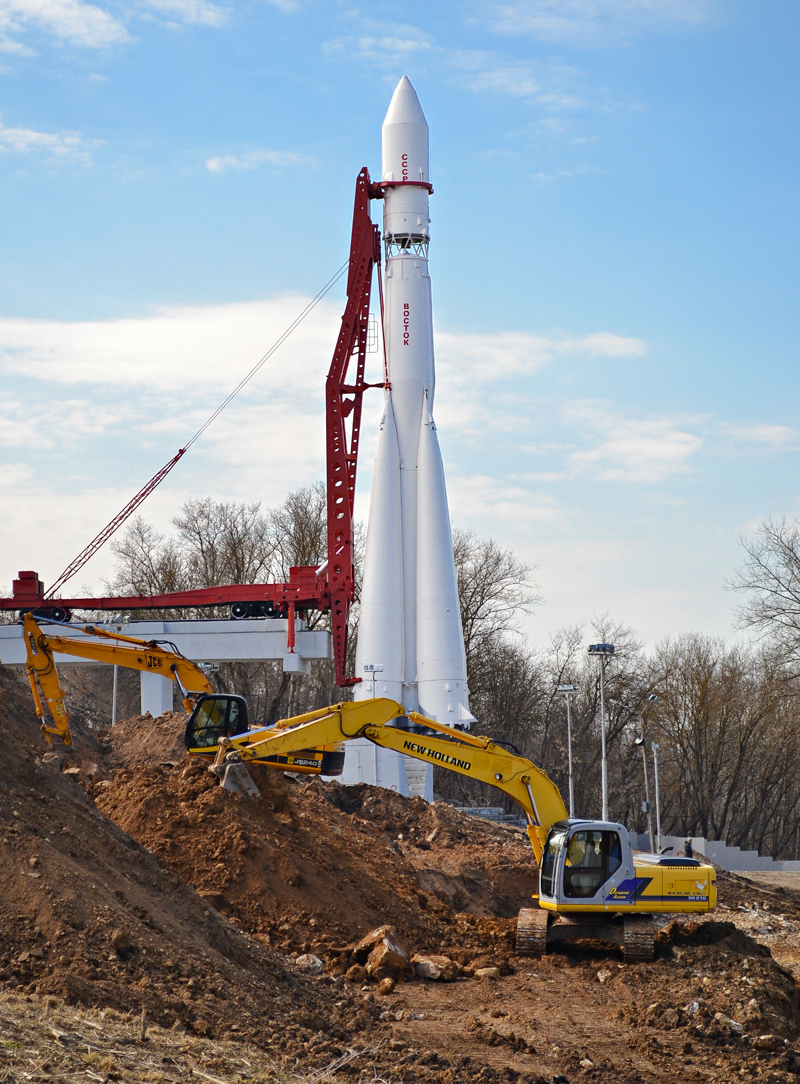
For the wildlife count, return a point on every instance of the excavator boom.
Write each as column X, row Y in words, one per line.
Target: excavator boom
column 418, row 737
column 118, row 651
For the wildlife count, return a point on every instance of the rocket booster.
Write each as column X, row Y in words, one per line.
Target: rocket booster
column 410, row 643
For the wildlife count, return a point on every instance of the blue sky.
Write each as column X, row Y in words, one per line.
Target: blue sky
column 614, row 263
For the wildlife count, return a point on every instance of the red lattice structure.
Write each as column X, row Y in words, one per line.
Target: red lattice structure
column 329, row 587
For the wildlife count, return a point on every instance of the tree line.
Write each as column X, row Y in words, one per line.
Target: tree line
column 726, row 715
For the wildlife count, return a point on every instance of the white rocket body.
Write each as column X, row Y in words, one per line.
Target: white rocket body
column 410, row 642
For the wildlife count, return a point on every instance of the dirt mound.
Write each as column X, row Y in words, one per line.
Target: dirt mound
column 89, row 915
column 724, row 935
column 144, row 740
column 725, row 983
column 470, row 864
column 297, row 871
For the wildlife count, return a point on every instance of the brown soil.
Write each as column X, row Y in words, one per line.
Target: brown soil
column 137, row 881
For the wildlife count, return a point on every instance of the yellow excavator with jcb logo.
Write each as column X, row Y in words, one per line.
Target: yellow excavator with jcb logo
column 224, row 714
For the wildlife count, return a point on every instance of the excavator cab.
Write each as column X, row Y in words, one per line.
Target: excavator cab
column 221, row 715
column 215, row 716
column 583, row 864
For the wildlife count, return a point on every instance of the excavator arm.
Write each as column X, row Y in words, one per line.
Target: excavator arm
column 112, row 648
column 475, row 757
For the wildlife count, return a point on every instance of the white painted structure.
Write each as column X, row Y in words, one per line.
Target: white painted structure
column 731, row 858
column 253, row 640
column 410, row 643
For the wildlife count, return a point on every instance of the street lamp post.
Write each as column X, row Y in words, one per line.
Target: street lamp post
column 114, row 697
column 604, row 651
column 568, row 690
column 641, row 742
column 654, row 747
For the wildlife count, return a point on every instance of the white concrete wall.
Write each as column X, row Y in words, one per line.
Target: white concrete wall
column 730, row 858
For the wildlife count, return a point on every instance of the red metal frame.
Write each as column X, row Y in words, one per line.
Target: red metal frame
column 331, row 586
column 343, row 401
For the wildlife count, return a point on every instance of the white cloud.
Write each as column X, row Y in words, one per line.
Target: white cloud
column 387, row 44
column 776, row 437
column 630, row 449
column 479, row 497
column 64, row 145
column 517, row 80
column 254, row 159
column 205, row 347
column 591, row 22
column 549, row 85
column 95, row 27
column 565, row 174
column 72, row 20
column 191, row 12
column 492, row 357
column 16, row 48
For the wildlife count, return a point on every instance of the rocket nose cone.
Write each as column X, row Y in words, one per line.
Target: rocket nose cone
column 404, row 107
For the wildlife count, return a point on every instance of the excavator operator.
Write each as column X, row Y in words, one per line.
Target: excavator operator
column 592, row 858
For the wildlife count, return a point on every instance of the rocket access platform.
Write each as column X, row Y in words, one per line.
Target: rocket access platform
column 410, row 643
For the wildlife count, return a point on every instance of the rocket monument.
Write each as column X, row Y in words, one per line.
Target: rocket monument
column 410, row 643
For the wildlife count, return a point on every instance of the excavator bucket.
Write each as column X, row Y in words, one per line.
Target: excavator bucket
column 235, row 778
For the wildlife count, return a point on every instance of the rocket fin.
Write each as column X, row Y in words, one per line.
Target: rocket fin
column 380, row 632
column 441, row 663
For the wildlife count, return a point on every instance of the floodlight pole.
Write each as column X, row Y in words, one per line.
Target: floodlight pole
column 641, row 740
column 114, row 697
column 654, row 747
column 646, row 783
column 603, row 650
column 568, row 690
column 603, row 749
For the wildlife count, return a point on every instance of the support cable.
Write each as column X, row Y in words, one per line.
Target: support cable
column 111, row 528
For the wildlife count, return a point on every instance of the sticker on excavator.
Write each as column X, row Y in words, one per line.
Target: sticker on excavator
column 628, row 891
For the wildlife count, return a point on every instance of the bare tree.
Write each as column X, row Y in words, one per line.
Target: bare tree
column 730, row 744
column 223, row 542
column 299, row 530
column 494, row 589
column 148, row 563
column 770, row 577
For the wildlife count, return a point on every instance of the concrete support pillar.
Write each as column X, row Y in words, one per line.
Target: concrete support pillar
column 365, row 762
column 156, row 692
column 420, row 778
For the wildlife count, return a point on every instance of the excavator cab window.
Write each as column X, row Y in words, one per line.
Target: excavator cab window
column 547, row 880
column 215, row 717
column 592, row 857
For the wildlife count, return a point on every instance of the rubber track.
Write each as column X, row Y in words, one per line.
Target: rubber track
column 532, row 932
column 640, row 943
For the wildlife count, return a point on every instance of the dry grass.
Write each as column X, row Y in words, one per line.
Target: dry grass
column 44, row 1040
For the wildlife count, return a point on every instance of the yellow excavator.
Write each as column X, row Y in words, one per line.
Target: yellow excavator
column 591, row 885
column 209, row 711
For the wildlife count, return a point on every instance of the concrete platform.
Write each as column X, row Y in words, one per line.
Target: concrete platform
column 251, row 640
